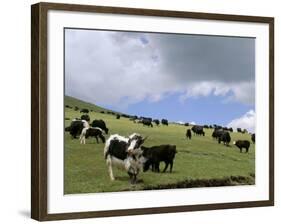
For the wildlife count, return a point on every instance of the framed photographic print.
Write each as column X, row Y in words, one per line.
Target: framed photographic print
column 139, row 111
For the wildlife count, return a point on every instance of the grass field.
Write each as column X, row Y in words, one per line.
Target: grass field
column 199, row 162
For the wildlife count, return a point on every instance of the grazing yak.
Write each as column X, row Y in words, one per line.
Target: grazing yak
column 156, row 121
column 217, row 126
column 124, row 153
column 156, row 154
column 227, row 129
column 165, row 122
column 76, row 127
column 100, row 124
column 91, row 132
column 133, row 118
column 84, row 111
column 138, row 121
column 188, row 133
column 85, row 117
column 198, row 130
column 242, row 144
column 147, row 118
column 76, row 108
column 118, row 116
column 186, row 124
column 253, row 138
column 239, row 130
column 147, row 122
column 217, row 133
column 225, row 138
column 125, row 115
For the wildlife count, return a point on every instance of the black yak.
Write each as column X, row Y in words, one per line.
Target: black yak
column 85, row 117
column 156, row 154
column 156, row 121
column 188, row 133
column 242, row 144
column 147, row 122
column 165, row 122
column 198, row 130
column 84, row 111
column 253, row 138
column 100, row 124
column 225, row 138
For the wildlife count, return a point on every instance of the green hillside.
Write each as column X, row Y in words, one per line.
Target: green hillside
column 200, row 162
column 73, row 102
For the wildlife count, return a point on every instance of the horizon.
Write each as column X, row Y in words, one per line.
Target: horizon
column 153, row 117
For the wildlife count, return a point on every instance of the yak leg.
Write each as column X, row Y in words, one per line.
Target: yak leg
column 153, row 167
column 157, row 164
column 110, row 171
column 171, row 166
column 82, row 140
column 97, row 139
column 166, row 166
column 133, row 178
column 102, row 138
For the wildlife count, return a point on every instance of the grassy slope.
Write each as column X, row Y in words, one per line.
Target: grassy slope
column 71, row 101
column 200, row 158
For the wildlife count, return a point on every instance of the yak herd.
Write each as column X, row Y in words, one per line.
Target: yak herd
column 129, row 152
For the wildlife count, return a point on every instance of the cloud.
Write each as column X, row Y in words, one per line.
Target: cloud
column 247, row 121
column 123, row 68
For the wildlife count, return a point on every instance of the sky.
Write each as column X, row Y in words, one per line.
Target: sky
column 183, row 78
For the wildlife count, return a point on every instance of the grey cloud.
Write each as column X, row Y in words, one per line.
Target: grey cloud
column 201, row 58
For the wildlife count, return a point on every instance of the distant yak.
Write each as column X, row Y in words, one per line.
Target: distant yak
column 85, row 117
column 225, row 138
column 188, row 133
column 147, row 122
column 164, row 122
column 198, row 130
column 242, row 144
column 84, row 111
column 156, row 121
column 91, row 132
column 100, row 124
column 253, row 138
